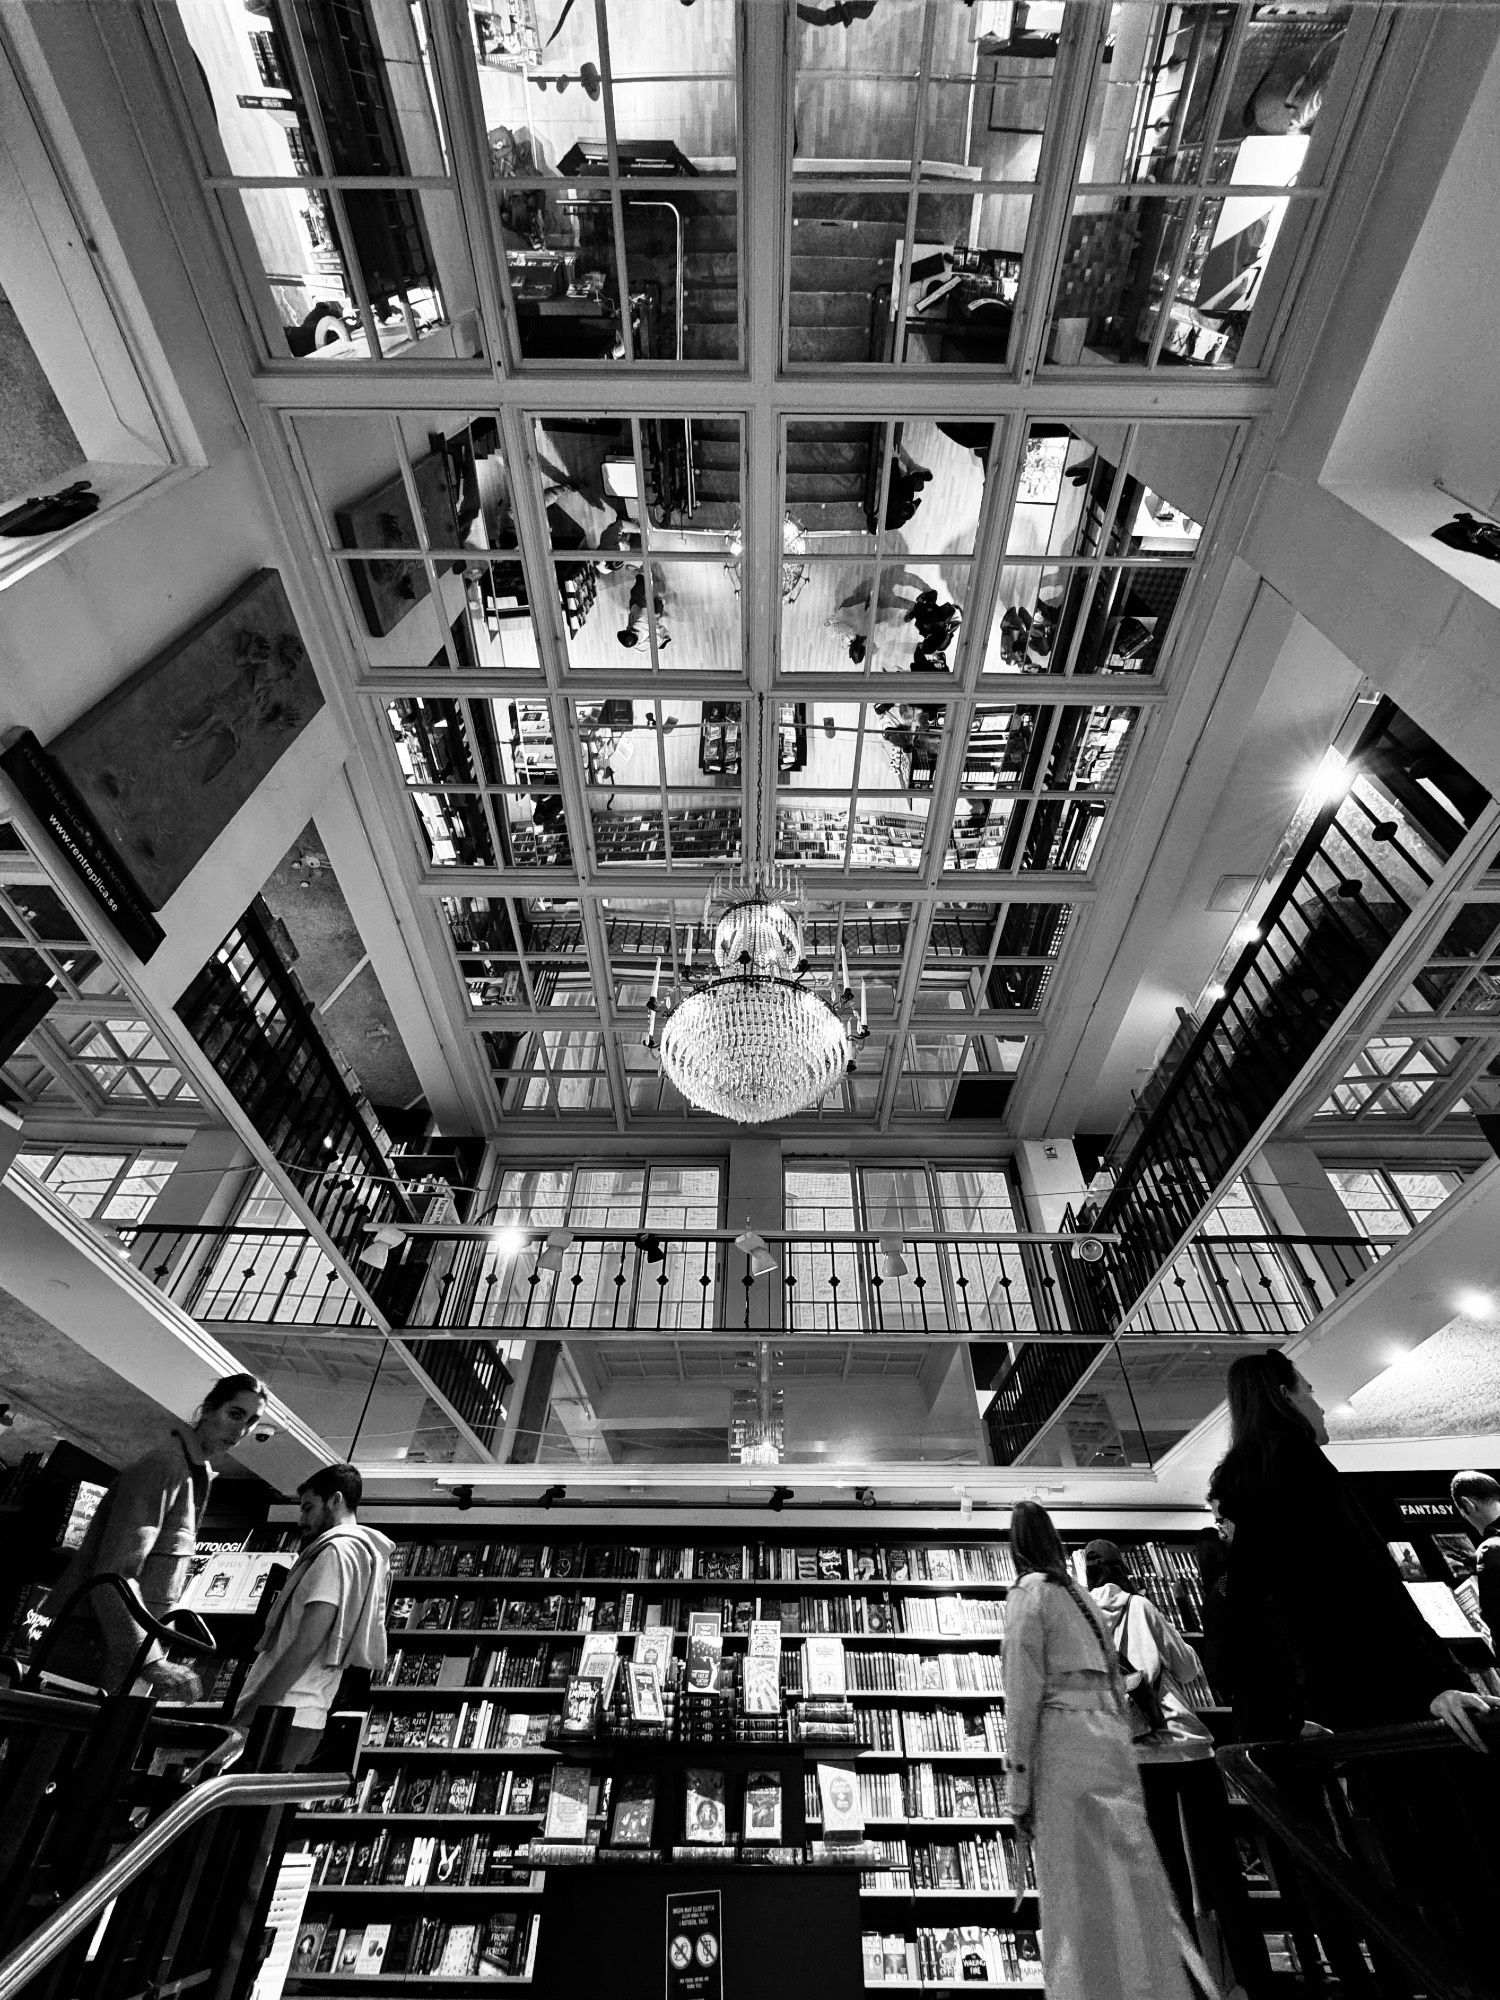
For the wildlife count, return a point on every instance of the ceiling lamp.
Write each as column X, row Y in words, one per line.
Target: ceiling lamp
column 753, row 1038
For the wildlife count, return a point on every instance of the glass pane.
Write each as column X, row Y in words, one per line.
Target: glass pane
column 1003, row 748
column 539, row 99
column 1066, row 489
column 962, row 277
column 1089, row 749
column 668, row 124
column 980, row 836
column 845, row 256
column 1267, row 129
column 1011, row 95
column 935, row 485
column 454, row 829
column 1147, row 117
column 923, row 629
column 1113, row 274
column 566, row 288
column 1061, row 835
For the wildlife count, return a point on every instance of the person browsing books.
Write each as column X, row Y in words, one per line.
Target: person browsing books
column 1108, row 1928
column 1186, row 1804
column 1476, row 1496
column 1320, row 1624
column 145, row 1531
column 328, row 1616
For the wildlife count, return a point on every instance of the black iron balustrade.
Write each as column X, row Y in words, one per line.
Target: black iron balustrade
column 821, row 1284
column 1368, row 862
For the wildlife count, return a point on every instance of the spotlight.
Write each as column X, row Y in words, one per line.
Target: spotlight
column 779, row 1497
column 865, row 1495
column 7, row 1416
column 652, row 1249
column 508, row 1241
column 893, row 1263
column 550, row 1256
column 1088, row 1250
column 754, row 1245
column 463, row 1498
column 1474, row 1305
column 377, row 1252
column 553, row 1494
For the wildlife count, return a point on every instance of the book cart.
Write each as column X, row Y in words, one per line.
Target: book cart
column 564, row 1726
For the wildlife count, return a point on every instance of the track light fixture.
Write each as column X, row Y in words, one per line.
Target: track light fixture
column 550, row 1256
column 893, row 1263
column 754, row 1245
column 779, row 1497
column 652, row 1249
column 865, row 1495
column 377, row 1252
column 554, row 1494
column 463, row 1497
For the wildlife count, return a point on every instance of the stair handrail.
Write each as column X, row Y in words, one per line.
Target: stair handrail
column 250, row 1788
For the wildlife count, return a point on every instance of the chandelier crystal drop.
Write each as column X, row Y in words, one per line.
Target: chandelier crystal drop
column 753, row 1038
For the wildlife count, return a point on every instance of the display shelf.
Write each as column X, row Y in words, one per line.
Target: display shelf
column 311, row 1815
column 491, row 1891
column 947, row 1895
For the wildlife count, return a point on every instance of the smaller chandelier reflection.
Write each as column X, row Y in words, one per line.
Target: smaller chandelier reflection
column 793, row 549
column 757, row 1035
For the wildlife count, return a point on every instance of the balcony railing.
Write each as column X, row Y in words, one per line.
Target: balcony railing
column 672, row 1283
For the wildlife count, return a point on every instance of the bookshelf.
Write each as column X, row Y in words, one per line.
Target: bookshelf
column 781, row 1669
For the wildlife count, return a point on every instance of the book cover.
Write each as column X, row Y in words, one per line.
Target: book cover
column 973, row 1960
column 258, row 1572
column 1456, row 1553
column 643, row 1694
column 351, row 1944
column 824, row 1663
column 872, row 1956
column 419, row 1861
column 498, row 1948
column 333, row 1937
column 838, row 1790
column 635, row 1811
column 762, row 1683
column 763, row 1807
column 581, row 1702
column 309, row 1943
column 519, row 1804
column 893, row 1950
column 1029, row 1957
column 372, row 1951
column 1408, row 1562
column 568, row 1803
column 765, row 1640
column 601, row 1659
column 706, row 1821
column 946, row 1871
column 705, row 1649
column 460, row 1949
column 653, row 1648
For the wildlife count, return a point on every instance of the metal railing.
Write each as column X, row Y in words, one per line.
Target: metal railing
column 68, row 1922
column 675, row 1282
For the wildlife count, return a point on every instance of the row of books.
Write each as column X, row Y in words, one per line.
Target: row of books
column 923, row 1673
column 925, row 1730
column 923, row 1792
column 951, row 1615
column 991, row 1864
column 420, row 1947
column 539, row 1665
column 972, row 1955
column 764, row 1562
column 475, row 1725
column 392, row 1859
column 510, row 1792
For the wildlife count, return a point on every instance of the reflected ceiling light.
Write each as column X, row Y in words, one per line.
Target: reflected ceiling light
column 1474, row 1304
column 508, row 1241
column 892, row 1262
column 1331, row 780
column 550, row 1256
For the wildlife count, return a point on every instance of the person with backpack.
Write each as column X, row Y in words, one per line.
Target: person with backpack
column 1185, row 1799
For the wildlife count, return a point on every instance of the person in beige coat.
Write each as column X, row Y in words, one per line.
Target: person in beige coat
column 1109, row 1926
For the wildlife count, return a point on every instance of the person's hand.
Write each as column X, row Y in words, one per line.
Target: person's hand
column 1455, row 1707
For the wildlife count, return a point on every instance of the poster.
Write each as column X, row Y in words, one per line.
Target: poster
column 695, row 1928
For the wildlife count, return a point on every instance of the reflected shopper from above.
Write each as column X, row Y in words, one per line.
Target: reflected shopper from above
column 1320, row 1627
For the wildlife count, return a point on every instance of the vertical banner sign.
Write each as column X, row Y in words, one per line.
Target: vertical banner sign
column 695, row 1929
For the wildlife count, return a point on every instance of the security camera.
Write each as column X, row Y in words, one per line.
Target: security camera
column 263, row 1433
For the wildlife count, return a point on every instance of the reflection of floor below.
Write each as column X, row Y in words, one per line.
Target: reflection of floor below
column 702, row 616
column 810, row 645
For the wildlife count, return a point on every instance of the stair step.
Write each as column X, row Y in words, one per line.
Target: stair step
column 716, row 454
column 711, row 267
column 710, row 232
column 827, row 344
column 802, row 434
column 850, row 309
column 716, row 430
column 885, row 212
column 711, row 343
column 833, row 273
column 824, row 485
column 721, row 308
column 718, row 486
column 853, row 458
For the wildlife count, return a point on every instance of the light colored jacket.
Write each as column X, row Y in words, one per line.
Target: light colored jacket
column 357, row 1636
column 1156, row 1649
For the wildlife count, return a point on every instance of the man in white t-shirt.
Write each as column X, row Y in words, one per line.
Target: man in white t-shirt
column 329, row 1615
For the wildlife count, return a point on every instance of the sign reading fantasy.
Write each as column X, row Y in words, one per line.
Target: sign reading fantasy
column 78, row 837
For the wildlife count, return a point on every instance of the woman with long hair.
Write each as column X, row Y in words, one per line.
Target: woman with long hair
column 1319, row 1625
column 145, row 1530
column 1108, row 1930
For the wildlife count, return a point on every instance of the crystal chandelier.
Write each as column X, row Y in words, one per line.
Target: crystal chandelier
column 756, row 1036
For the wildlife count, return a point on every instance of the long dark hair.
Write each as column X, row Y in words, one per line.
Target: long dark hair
column 229, row 1386
column 1036, row 1545
column 1260, row 1419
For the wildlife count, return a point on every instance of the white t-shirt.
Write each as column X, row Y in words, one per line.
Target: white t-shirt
column 312, row 1694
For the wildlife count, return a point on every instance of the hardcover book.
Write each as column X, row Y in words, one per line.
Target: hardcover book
column 372, row 1951
column 643, row 1694
column 1408, row 1562
column 706, row 1822
column 309, row 1944
column 838, row 1789
column 601, row 1659
column 460, row 1948
column 1456, row 1553
column 824, row 1663
column 762, row 1684
column 635, row 1811
column 763, row 1807
column 580, row 1715
column 498, row 1951
column 705, row 1649
column 653, row 1648
column 568, row 1803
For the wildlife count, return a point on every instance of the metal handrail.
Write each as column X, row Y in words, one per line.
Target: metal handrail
column 252, row 1788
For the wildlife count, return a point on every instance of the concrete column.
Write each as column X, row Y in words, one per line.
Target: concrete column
column 756, row 1198
column 1298, row 1199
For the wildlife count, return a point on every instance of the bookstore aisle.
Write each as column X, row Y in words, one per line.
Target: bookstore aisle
column 737, row 1770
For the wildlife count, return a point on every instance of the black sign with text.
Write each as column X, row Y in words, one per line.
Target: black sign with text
column 79, row 839
column 695, row 1934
